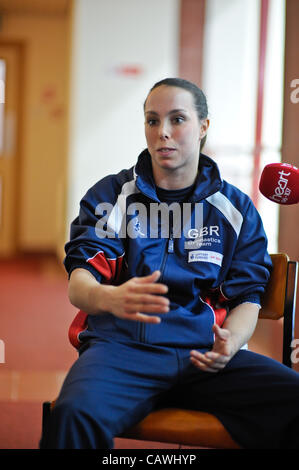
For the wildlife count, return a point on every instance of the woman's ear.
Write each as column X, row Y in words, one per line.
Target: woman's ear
column 204, row 125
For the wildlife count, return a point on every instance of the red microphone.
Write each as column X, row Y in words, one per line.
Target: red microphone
column 279, row 182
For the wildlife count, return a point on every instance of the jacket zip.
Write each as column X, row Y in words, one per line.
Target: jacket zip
column 168, row 245
column 142, row 332
column 169, row 248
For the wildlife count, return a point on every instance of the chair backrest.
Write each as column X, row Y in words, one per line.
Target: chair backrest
column 273, row 300
column 279, row 299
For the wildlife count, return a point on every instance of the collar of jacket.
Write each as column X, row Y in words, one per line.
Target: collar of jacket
column 208, row 179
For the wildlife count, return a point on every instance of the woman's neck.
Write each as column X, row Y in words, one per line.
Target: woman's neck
column 173, row 179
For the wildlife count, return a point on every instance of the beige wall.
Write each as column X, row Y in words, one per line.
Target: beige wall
column 44, row 95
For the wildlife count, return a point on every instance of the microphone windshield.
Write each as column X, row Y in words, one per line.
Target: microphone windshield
column 279, row 182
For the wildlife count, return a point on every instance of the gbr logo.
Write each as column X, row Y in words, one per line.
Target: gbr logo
column 208, row 231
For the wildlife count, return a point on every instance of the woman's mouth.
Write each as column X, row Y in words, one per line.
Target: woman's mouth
column 165, row 151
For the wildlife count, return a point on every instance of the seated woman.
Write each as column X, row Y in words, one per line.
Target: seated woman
column 167, row 263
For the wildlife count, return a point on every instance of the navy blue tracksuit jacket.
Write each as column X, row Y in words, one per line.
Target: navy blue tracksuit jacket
column 218, row 260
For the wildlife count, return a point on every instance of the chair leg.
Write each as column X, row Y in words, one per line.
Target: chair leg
column 46, row 416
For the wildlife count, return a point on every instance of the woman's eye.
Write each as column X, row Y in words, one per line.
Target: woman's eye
column 151, row 122
column 178, row 119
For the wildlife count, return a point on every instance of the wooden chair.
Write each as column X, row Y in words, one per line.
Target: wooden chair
column 196, row 428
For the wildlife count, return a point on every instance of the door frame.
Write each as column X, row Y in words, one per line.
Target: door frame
column 19, row 48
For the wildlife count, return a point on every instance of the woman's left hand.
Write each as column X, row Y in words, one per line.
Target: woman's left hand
column 221, row 353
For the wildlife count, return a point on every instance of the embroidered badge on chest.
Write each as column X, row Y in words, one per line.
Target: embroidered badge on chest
column 205, row 256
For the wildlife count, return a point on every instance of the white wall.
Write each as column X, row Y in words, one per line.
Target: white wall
column 230, row 79
column 107, row 108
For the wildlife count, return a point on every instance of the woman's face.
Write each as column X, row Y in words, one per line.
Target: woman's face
column 173, row 130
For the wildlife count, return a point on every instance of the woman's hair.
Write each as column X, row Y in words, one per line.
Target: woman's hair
column 199, row 98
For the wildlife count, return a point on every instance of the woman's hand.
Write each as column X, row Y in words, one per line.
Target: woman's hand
column 236, row 331
column 220, row 354
column 139, row 298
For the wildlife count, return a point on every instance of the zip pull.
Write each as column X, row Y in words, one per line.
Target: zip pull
column 170, row 248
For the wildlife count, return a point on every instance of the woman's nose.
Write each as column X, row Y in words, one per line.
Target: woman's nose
column 164, row 131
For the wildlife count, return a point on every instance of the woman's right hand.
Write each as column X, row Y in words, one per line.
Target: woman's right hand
column 139, row 299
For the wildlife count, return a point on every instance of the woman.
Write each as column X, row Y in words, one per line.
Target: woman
column 165, row 314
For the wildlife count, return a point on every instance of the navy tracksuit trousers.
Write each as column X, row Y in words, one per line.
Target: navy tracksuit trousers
column 113, row 385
